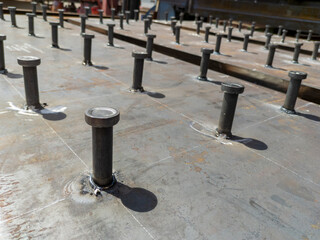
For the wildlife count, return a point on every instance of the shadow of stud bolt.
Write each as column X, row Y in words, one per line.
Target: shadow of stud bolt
column 272, row 50
column 293, row 91
column 31, row 23
column 204, row 63
column 34, row 7
column 284, row 34
column 206, row 36
column 100, row 16
column 3, row 69
column 110, row 33
column 138, row 70
column 229, row 103
column 296, row 52
column 54, row 34
column 121, row 20
column 1, row 11
column 136, row 15
column 44, row 12
column 178, row 30
column 102, row 120
column 315, row 50
column 113, row 11
column 87, row 49
column 229, row 34
column 12, row 11
column 29, row 65
column 61, row 11
column 280, row 30
column 246, row 37
column 149, row 46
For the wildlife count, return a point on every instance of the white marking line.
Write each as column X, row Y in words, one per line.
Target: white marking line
column 33, row 211
column 34, row 48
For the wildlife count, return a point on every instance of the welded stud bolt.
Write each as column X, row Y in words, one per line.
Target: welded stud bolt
column 245, row 42
column 298, row 35
column 225, row 25
column 110, row 33
column 138, row 70
column 150, row 21
column 293, row 91
column 3, row 69
column 206, row 36
column 240, row 26
column 1, row 11
column 272, row 50
column 83, row 24
column 296, row 52
column 12, row 11
column 29, row 65
column 210, row 19
column 204, row 63
column 315, row 50
column 196, row 17
column 127, row 16
column 253, row 27
column 201, row 19
column 44, row 12
column 149, row 46
column 87, row 49
column 178, row 29
column 198, row 27
column 100, row 16
column 136, row 15
column 173, row 26
column 230, row 22
column 113, row 11
column 266, row 30
column 181, row 17
column 166, row 15
column 34, row 7
column 218, row 44
column 146, row 24
column 61, row 11
column 229, row 103
column 87, row 11
column 268, row 40
column 217, row 22
column 54, row 34
column 284, row 34
column 280, row 30
column 229, row 34
column 31, row 23
column 309, row 35
column 102, row 120
column 121, row 20
column 172, row 18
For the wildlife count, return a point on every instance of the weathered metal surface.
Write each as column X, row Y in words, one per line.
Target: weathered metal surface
column 176, row 180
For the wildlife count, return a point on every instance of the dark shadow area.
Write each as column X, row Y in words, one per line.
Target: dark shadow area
column 136, row 199
column 309, row 116
column 281, row 69
column 116, row 46
column 65, row 49
column 100, row 67
column 155, row 94
column 14, row 75
column 66, row 28
column 250, row 142
column 221, row 54
column 251, row 52
column 303, row 64
column 214, row 82
column 55, row 116
column 160, row 62
column 38, row 36
column 19, row 27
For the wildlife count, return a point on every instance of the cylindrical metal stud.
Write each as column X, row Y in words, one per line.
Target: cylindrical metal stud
column 100, row 15
column 127, row 16
column 149, row 46
column 245, row 42
column 121, row 20
column 177, row 33
column 34, row 7
column 102, row 120
column 217, row 22
column 206, row 36
column 309, row 35
column 272, row 50
column 1, row 11
column 280, row 30
column 54, row 34
column 230, row 22
column 181, row 15
column 296, row 53
column 61, row 20
column 229, row 104
column 204, row 63
column 266, row 30
column 218, row 44
column 146, row 24
column 198, row 27
column 87, row 49
column 166, row 15
column 229, row 34
column 110, row 33
column 315, row 50
column 83, row 24
column 12, row 11
column 240, row 26
column 150, row 20
column 173, row 26
column 210, row 19
column 253, row 27
column 196, row 17
column 87, row 11
column 293, row 91
column 3, row 69
column 225, row 23
column 138, row 70
column 201, row 19
column 298, row 35
column 113, row 12
column 268, row 40
column 31, row 23
column 44, row 12
column 29, row 65
column 284, row 34
column 136, row 15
